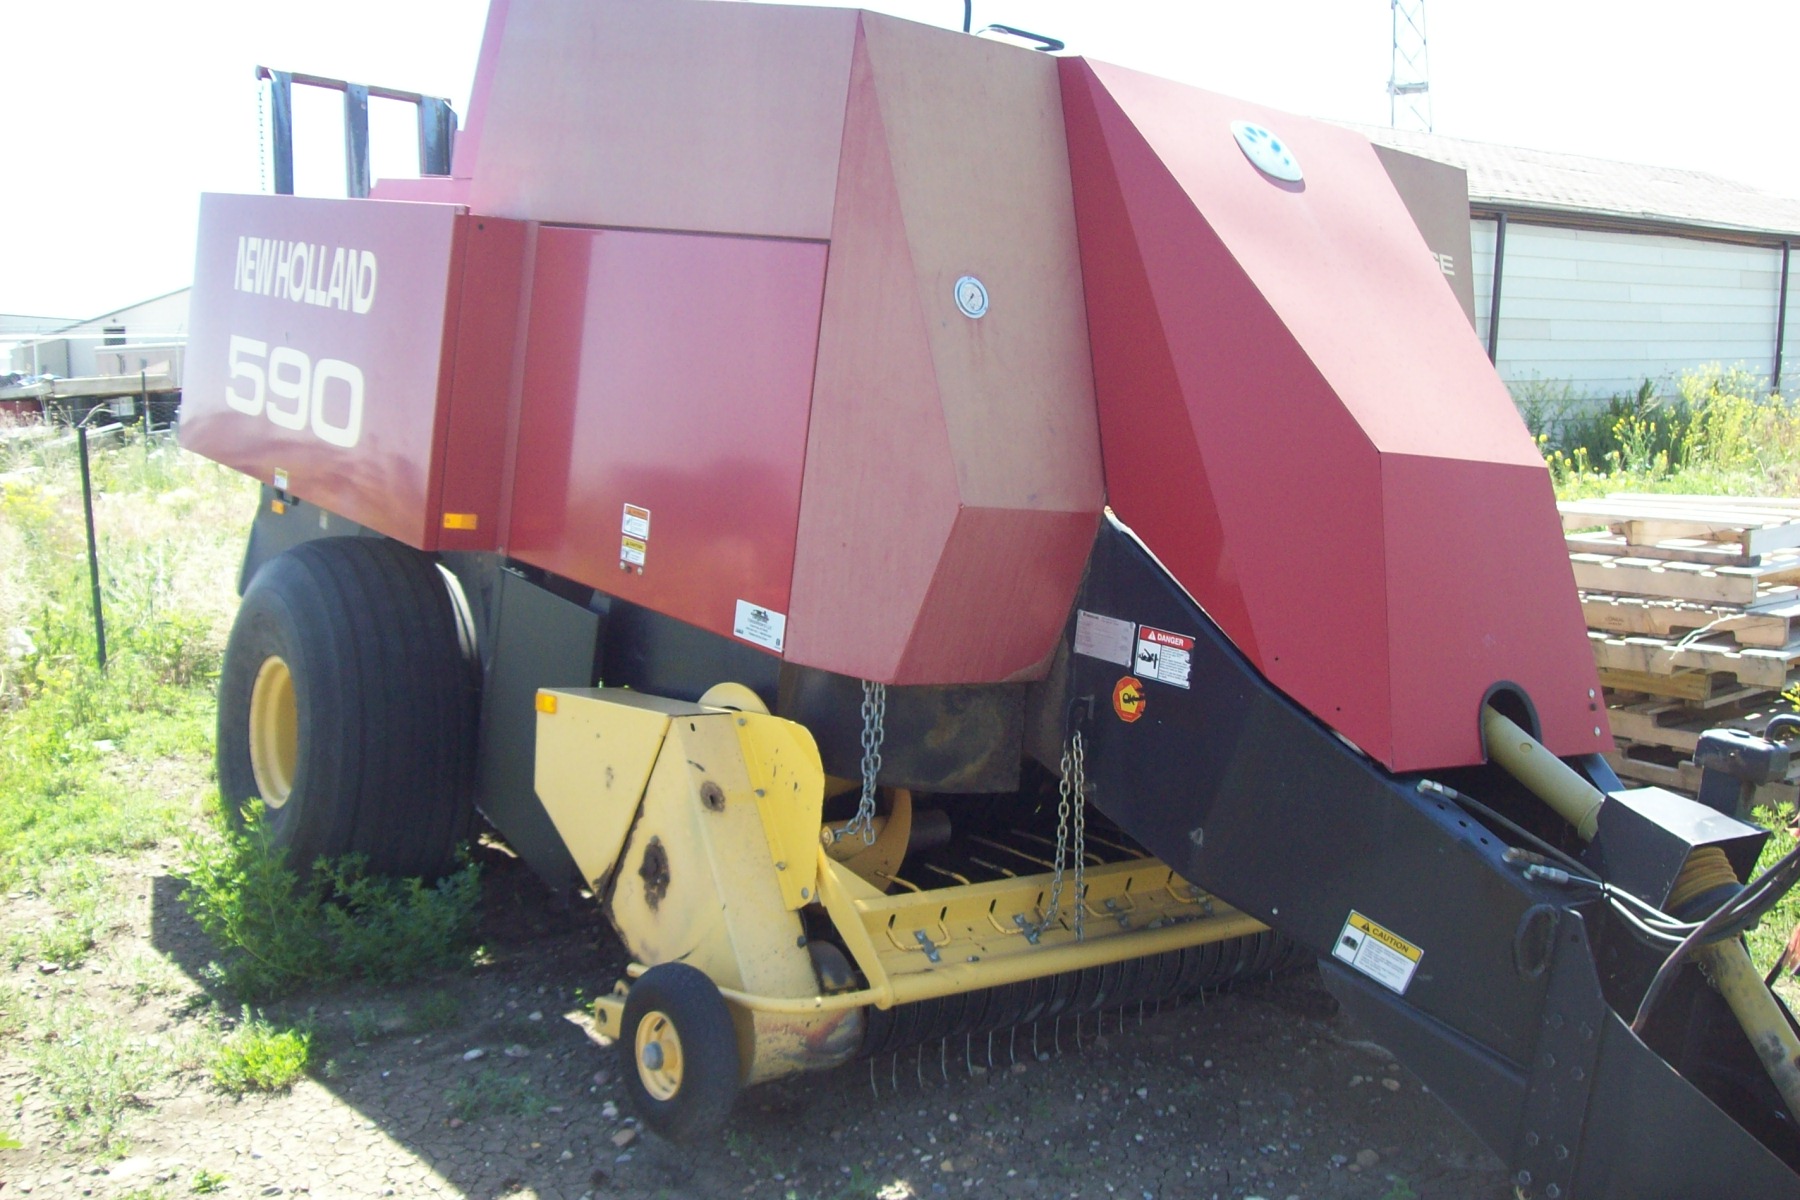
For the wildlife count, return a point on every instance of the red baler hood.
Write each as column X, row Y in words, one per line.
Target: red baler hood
column 1297, row 419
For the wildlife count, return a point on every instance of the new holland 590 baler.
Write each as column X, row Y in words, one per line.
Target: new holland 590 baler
column 937, row 538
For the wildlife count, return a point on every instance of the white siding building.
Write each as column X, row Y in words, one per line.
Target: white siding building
column 1611, row 273
column 147, row 336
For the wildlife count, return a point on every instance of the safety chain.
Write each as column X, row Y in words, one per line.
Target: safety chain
column 1072, row 801
column 262, row 132
column 874, row 718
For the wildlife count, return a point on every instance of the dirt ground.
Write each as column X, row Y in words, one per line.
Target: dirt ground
column 1266, row 1092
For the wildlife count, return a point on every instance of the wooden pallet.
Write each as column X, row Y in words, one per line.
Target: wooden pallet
column 1678, row 727
column 1770, row 628
column 1762, row 587
column 1651, row 656
column 1684, row 776
column 1750, row 527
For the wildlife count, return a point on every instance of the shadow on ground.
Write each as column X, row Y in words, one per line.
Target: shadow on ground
column 510, row 1096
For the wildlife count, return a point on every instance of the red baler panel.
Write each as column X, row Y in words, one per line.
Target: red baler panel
column 1297, row 420
column 317, row 350
column 662, row 432
column 485, row 352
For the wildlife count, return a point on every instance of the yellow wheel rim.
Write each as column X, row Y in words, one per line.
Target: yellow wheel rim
column 659, row 1056
column 274, row 731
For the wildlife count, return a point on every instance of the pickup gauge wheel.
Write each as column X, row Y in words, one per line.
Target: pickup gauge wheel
column 682, row 1067
column 347, row 708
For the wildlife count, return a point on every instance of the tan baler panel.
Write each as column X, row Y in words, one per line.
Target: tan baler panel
column 953, row 564
column 682, row 115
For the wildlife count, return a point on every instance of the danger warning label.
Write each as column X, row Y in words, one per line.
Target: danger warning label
column 1377, row 952
column 1163, row 656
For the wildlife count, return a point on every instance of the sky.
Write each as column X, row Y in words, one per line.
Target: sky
column 116, row 114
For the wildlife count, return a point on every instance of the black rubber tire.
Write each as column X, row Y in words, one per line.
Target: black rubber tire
column 385, row 702
column 712, row 1073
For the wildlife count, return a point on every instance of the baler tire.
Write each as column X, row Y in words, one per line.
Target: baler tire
column 689, row 1098
column 373, row 752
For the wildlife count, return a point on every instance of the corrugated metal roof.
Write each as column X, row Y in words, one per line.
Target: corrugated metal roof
column 1515, row 178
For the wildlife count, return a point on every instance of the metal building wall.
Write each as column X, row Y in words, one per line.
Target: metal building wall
column 1604, row 310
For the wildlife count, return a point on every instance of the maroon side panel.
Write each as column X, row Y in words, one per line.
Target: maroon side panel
column 1297, row 419
column 673, row 374
column 487, row 322
column 316, row 351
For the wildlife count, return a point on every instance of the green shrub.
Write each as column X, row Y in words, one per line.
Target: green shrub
column 259, row 1057
column 278, row 932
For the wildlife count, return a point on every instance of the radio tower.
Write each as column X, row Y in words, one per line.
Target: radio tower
column 1409, row 76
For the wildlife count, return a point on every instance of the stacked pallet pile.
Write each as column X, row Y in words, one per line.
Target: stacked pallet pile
column 1693, row 613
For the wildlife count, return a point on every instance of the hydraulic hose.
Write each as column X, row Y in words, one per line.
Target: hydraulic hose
column 1726, row 961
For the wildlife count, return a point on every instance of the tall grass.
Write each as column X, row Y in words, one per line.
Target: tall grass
column 1715, row 431
column 96, row 763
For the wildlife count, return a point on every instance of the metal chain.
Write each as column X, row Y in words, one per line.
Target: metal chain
column 1079, row 787
column 262, row 132
column 1072, row 801
column 874, row 718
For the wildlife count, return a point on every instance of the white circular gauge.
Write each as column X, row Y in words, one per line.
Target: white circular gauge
column 971, row 297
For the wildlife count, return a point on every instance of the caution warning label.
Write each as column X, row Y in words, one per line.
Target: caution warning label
column 1377, row 952
column 1163, row 656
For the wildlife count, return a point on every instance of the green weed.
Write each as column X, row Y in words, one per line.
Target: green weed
column 365, row 1025
column 1715, row 432
column 260, row 1057
column 1769, row 938
column 491, row 1093
column 93, row 1070
column 278, row 933
column 435, row 1010
column 9, row 1142
column 206, row 1182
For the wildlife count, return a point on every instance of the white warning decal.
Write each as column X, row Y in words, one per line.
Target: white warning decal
column 1105, row 638
column 763, row 626
column 1163, row 656
column 632, row 551
column 1379, row 953
column 636, row 522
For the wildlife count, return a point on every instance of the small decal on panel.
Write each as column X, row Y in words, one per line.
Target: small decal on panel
column 632, row 551
column 1128, row 699
column 1269, row 153
column 763, row 626
column 1377, row 952
column 1163, row 656
column 636, row 522
column 1105, row 638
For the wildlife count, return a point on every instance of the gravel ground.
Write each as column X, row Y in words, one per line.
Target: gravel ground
column 1265, row 1092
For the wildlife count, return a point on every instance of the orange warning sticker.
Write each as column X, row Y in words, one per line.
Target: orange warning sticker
column 1128, row 699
